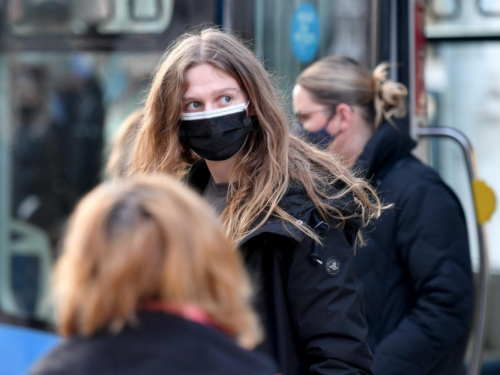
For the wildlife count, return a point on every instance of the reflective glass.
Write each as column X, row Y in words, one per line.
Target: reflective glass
column 444, row 8
column 66, row 108
column 468, row 99
column 29, row 17
column 344, row 28
column 491, row 7
column 70, row 72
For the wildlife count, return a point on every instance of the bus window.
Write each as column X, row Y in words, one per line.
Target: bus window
column 70, row 72
column 489, row 7
column 466, row 19
column 145, row 10
column 67, row 108
column 92, row 16
column 467, row 98
column 445, row 9
column 286, row 31
column 463, row 75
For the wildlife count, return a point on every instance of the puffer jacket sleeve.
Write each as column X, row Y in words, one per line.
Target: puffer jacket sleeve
column 326, row 308
column 433, row 245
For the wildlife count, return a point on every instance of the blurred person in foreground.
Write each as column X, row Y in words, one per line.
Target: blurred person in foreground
column 214, row 119
column 416, row 267
column 149, row 284
column 122, row 145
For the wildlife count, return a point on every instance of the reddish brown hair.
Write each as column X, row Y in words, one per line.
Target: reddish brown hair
column 149, row 238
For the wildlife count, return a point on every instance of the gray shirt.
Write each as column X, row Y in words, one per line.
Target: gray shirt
column 216, row 195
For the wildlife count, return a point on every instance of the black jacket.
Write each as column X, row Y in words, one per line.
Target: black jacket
column 313, row 313
column 416, row 266
column 161, row 344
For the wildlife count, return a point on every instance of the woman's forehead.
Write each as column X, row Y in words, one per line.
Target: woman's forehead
column 205, row 78
column 303, row 101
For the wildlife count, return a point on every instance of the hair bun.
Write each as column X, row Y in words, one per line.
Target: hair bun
column 389, row 95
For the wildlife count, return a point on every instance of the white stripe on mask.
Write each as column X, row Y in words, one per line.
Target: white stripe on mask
column 191, row 116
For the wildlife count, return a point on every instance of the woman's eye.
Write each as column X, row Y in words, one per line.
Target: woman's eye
column 226, row 100
column 193, row 105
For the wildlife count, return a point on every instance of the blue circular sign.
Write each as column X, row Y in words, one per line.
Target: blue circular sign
column 305, row 32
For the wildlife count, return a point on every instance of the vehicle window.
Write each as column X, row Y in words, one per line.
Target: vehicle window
column 90, row 16
column 343, row 27
column 70, row 72
column 61, row 111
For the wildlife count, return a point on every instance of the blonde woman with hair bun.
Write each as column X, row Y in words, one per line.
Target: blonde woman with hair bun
column 148, row 283
column 214, row 119
column 416, row 266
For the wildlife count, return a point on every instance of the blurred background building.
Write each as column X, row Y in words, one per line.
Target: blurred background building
column 72, row 70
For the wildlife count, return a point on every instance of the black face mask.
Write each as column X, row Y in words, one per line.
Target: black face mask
column 321, row 138
column 216, row 135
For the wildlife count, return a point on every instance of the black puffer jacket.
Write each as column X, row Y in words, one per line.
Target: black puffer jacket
column 416, row 267
column 313, row 313
column 158, row 344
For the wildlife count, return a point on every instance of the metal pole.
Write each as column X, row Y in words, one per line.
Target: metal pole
column 484, row 265
column 374, row 34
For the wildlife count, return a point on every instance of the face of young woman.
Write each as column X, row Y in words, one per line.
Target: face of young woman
column 210, row 88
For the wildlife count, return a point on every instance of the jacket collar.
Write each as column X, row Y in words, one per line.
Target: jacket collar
column 388, row 145
column 189, row 312
column 295, row 202
column 198, row 176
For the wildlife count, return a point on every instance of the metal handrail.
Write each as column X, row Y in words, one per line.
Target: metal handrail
column 484, row 264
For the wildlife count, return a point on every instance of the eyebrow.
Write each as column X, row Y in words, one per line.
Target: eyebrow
column 216, row 92
column 225, row 89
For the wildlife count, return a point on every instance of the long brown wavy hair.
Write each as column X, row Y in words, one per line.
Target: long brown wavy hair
column 149, row 239
column 272, row 157
column 121, row 147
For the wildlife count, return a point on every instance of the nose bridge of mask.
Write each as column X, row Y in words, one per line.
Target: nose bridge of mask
column 192, row 116
column 217, row 137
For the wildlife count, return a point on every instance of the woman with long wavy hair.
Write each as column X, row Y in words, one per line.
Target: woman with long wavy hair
column 214, row 119
column 148, row 283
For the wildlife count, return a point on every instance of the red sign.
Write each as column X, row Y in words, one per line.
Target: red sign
column 420, row 103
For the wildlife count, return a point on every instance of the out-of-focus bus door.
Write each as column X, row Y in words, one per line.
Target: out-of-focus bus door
column 24, row 271
column 70, row 72
column 484, row 205
column 28, row 271
column 483, row 196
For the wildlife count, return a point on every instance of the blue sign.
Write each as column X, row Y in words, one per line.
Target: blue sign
column 305, row 32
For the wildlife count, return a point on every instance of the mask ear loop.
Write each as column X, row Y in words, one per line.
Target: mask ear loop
column 330, row 118
column 246, row 108
column 333, row 113
column 251, row 122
